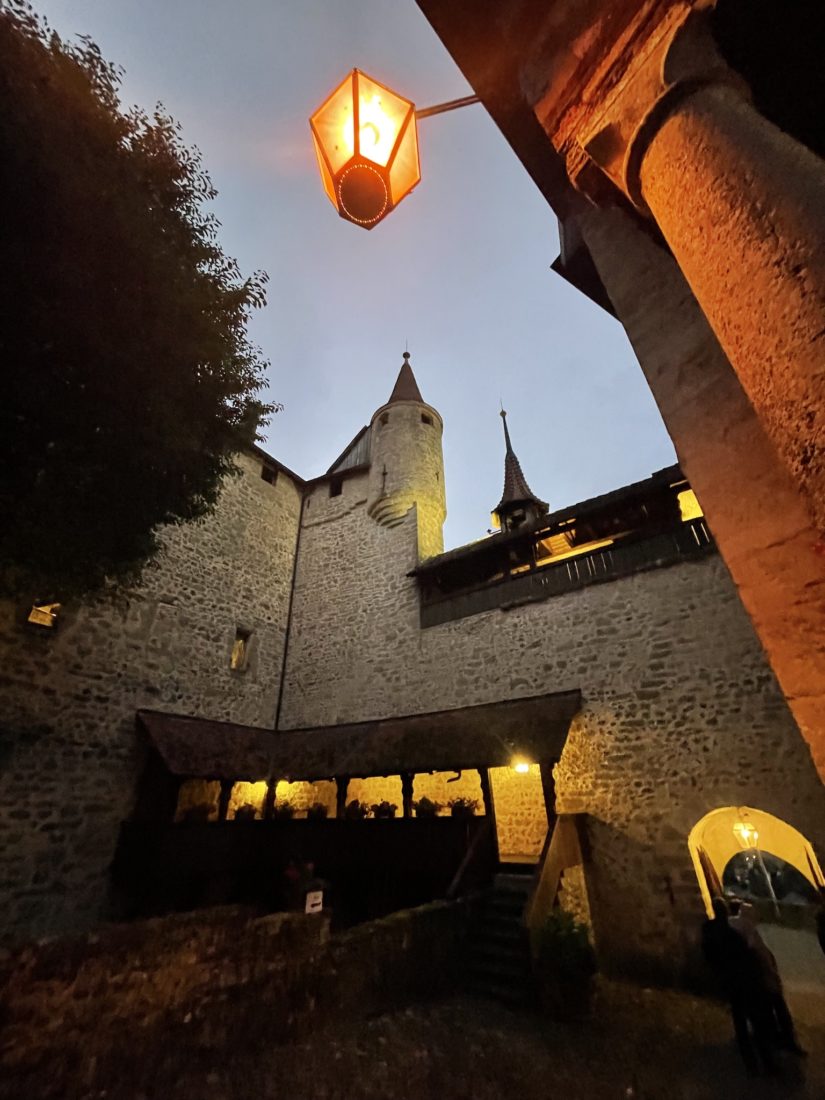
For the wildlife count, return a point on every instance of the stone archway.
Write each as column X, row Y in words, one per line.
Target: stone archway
column 733, row 848
column 770, row 851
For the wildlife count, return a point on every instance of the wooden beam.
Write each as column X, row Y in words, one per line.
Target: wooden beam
column 407, row 780
column 341, row 784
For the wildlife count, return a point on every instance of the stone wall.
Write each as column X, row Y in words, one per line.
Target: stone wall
column 355, row 614
column 217, row 984
column 681, row 712
column 376, row 789
column 521, row 815
column 70, row 755
column 301, row 796
column 442, row 786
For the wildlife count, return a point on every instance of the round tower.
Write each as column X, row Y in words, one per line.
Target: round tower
column 407, row 465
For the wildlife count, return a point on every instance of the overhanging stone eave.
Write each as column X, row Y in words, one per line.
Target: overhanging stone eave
column 480, row 736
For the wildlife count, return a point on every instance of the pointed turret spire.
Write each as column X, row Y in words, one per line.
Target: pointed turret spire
column 406, row 387
column 518, row 501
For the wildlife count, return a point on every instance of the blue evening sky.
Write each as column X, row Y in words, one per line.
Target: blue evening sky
column 461, row 270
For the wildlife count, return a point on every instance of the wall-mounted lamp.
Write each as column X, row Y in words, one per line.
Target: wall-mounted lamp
column 366, row 142
column 520, row 765
column 746, row 834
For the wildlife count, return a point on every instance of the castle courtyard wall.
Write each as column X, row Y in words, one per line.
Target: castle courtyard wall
column 70, row 753
column 681, row 713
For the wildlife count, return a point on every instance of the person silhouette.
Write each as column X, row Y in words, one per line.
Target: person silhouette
column 740, row 977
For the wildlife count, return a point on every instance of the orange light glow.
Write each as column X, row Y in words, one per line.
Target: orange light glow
column 746, row 834
column 689, row 506
column 367, row 148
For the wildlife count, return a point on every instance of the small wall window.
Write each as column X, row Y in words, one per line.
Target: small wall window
column 269, row 474
column 383, row 419
column 240, row 650
column 426, row 419
column 44, row 614
column 336, row 487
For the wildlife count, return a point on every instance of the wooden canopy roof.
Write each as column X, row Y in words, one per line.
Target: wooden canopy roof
column 447, row 740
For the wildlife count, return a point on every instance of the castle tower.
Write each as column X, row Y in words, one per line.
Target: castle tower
column 406, row 463
column 519, row 505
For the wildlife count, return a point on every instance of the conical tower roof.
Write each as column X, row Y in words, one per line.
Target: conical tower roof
column 406, row 387
column 516, row 489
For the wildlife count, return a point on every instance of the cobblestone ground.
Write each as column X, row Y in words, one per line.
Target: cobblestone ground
column 639, row 1045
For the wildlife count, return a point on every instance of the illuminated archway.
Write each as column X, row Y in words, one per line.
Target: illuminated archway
column 728, row 838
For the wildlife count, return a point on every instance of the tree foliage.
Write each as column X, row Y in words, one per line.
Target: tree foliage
column 128, row 379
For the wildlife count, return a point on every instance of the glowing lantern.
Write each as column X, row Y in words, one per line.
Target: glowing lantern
column 367, row 148
column 746, row 834
column 520, row 765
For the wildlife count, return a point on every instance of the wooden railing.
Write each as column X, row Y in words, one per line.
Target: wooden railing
column 684, row 543
column 477, row 866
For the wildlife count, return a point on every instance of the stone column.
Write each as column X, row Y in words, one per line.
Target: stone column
column 752, row 503
column 742, row 207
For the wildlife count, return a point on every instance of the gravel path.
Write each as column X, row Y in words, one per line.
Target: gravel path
column 640, row 1045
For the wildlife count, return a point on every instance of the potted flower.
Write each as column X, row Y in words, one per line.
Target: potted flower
column 426, row 807
column 356, row 811
column 317, row 811
column 246, row 812
column 285, row 811
column 384, row 809
column 564, row 966
column 463, row 807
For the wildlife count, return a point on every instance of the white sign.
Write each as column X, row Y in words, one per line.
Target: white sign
column 314, row 902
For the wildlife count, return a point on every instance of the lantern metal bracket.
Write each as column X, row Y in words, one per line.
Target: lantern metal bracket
column 450, row 105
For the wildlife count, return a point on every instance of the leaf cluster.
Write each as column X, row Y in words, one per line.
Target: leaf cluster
column 128, row 377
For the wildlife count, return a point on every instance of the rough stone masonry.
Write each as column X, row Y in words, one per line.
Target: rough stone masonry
column 681, row 713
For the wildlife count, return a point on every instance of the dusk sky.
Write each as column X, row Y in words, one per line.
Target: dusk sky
column 461, row 269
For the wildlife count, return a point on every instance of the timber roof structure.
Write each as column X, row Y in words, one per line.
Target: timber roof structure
column 447, row 740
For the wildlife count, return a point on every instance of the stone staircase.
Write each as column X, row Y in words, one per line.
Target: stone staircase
column 498, row 950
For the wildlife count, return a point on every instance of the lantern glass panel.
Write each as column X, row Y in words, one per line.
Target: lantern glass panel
column 333, row 128
column 406, row 170
column 329, row 187
column 381, row 115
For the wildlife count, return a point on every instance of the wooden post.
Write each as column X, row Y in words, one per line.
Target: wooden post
column 548, row 786
column 489, row 808
column 341, row 784
column 269, row 800
column 225, row 796
column 407, row 779
column 486, row 792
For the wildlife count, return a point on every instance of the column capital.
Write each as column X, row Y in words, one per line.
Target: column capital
column 648, row 76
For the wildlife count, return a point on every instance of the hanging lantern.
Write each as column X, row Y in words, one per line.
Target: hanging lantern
column 367, row 148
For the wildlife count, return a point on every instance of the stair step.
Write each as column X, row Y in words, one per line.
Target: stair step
column 502, row 903
column 500, row 991
column 509, row 881
column 499, row 949
column 497, row 918
column 489, row 970
column 478, row 960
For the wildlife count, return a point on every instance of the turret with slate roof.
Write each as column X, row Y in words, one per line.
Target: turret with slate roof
column 406, row 463
column 519, row 505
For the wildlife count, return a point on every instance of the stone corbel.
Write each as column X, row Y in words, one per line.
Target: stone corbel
column 678, row 58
